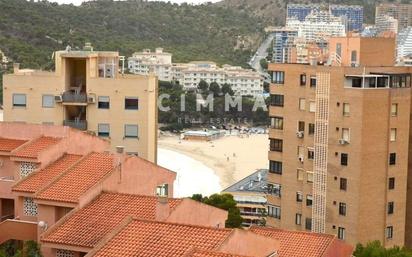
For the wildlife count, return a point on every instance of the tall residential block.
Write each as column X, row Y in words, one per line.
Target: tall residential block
column 87, row 92
column 389, row 14
column 339, row 142
column 404, row 47
column 282, row 45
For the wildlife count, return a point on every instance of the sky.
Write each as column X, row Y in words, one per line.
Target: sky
column 77, row 2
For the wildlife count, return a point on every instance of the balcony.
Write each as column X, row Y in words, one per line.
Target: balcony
column 77, row 124
column 6, row 183
column 18, row 230
column 70, row 97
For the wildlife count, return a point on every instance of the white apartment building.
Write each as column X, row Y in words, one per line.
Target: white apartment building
column 386, row 23
column 318, row 26
column 157, row 62
column 242, row 81
column 404, row 44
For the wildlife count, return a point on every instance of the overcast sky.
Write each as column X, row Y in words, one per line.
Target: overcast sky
column 77, row 2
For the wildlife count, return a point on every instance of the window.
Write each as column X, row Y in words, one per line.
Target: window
column 394, row 110
column 301, row 126
column 298, row 219
column 345, row 134
column 311, row 153
column 130, row 131
column 278, row 77
column 311, row 128
column 309, row 200
column 103, row 102
column 343, row 184
column 391, row 207
column 131, row 103
column 300, row 174
column 389, row 232
column 19, row 100
column 29, row 207
column 341, row 233
column 274, row 211
column 162, row 190
column 344, row 159
column 275, row 189
column 303, row 79
column 342, row 209
column 392, row 158
column 277, row 123
column 346, row 109
column 339, row 49
column 277, row 100
column 312, row 81
column 64, row 253
column 302, row 104
column 26, row 168
column 299, row 196
column 308, row 224
column 391, row 183
column 275, row 167
column 312, row 106
column 103, row 130
column 353, row 57
column 276, row 145
column 393, row 135
column 48, row 101
column 309, row 175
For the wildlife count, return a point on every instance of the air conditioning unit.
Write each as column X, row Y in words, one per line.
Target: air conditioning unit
column 301, row 158
column 91, row 99
column 58, row 98
column 343, row 141
column 300, row 134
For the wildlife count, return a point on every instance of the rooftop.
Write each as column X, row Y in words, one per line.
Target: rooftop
column 255, row 182
column 37, row 180
column 34, row 147
column 101, row 216
column 70, row 185
column 210, row 253
column 8, row 145
column 300, row 243
column 148, row 238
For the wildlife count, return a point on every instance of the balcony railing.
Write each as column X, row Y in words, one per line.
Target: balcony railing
column 71, row 97
column 80, row 125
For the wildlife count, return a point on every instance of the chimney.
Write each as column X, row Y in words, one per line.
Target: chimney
column 120, row 156
column 162, row 208
column 16, row 67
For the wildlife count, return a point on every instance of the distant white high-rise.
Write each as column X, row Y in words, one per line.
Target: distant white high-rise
column 146, row 62
column 404, row 44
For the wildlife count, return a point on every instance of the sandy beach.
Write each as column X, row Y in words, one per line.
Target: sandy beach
column 231, row 157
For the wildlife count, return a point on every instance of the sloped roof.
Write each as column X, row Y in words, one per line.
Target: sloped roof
column 78, row 179
column 8, row 145
column 40, row 179
column 34, row 147
column 90, row 224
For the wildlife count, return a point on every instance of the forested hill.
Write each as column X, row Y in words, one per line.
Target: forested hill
column 31, row 31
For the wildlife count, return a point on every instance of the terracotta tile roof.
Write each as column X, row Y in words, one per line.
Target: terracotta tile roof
column 32, row 149
column 210, row 253
column 8, row 145
column 160, row 239
column 78, row 179
column 39, row 179
column 297, row 243
column 101, row 216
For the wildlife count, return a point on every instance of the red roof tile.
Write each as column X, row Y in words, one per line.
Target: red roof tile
column 101, row 216
column 8, row 145
column 78, row 179
column 297, row 243
column 209, row 253
column 34, row 147
column 39, row 179
column 160, row 239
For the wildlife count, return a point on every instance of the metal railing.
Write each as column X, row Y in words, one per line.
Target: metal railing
column 80, row 125
column 71, row 97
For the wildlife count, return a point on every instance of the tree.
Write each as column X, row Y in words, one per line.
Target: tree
column 31, row 249
column 227, row 89
column 215, row 89
column 225, row 202
column 375, row 249
column 203, row 87
column 263, row 63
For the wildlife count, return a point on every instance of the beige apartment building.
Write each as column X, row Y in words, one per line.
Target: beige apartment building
column 88, row 92
column 339, row 143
